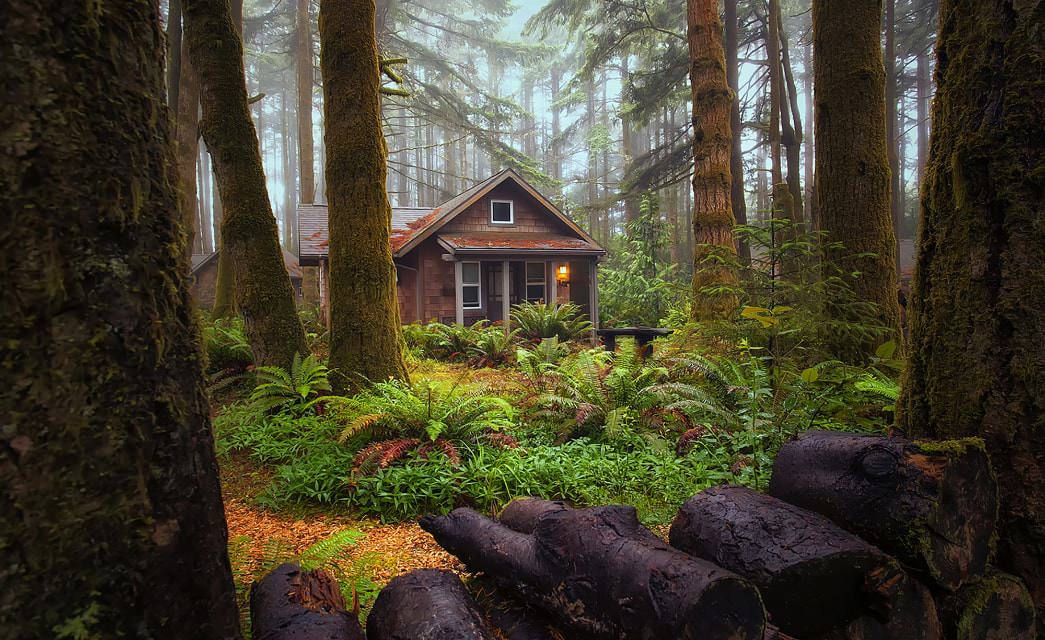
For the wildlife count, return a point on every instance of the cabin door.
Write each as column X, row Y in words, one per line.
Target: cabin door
column 495, row 288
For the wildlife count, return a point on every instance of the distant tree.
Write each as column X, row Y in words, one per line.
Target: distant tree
column 111, row 519
column 978, row 302
column 305, row 78
column 852, row 166
column 712, row 182
column 249, row 235
column 365, row 339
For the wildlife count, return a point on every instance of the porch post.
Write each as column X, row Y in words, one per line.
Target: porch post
column 553, row 285
column 593, row 292
column 459, row 290
column 506, row 303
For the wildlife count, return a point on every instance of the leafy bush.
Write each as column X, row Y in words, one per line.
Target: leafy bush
column 226, row 345
column 597, row 389
column 539, row 320
column 539, row 364
column 493, row 346
column 297, row 390
column 425, row 416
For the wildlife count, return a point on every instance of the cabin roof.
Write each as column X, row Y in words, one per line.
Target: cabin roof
column 201, row 260
column 412, row 225
column 515, row 242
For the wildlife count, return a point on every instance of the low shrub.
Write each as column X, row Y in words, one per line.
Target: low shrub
column 539, row 320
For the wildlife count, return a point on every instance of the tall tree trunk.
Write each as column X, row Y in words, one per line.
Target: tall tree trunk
column 631, row 203
column 365, row 339
column 187, row 150
column 922, row 113
column 111, row 519
column 713, row 142
column 807, row 90
column 673, row 200
column 852, row 165
column 791, row 123
column 978, row 301
column 736, row 154
column 303, row 59
column 891, row 137
column 556, row 149
column 174, row 51
column 249, row 236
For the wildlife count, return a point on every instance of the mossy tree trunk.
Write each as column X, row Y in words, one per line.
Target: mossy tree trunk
column 978, row 301
column 852, row 166
column 249, row 237
column 736, row 158
column 187, row 147
column 712, row 179
column 111, row 519
column 365, row 338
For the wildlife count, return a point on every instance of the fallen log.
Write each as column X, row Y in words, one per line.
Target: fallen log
column 426, row 603
column 813, row 574
column 602, row 573
column 913, row 617
column 293, row 604
column 932, row 504
column 515, row 619
column 999, row 606
column 522, row 514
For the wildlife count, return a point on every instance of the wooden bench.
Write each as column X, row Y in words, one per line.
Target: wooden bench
column 643, row 336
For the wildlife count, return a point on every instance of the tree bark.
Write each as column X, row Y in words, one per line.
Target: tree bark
column 933, row 505
column 978, row 300
column 111, row 519
column 791, row 123
column 581, row 564
column 426, row 603
column 187, row 150
column 250, row 241
column 174, row 51
column 305, row 81
column 737, row 198
column 813, row 575
column 293, row 604
column 712, row 178
column 912, row 616
column 852, row 167
column 891, row 137
column 365, row 338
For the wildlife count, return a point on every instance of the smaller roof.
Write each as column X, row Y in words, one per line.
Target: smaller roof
column 200, row 260
column 514, row 242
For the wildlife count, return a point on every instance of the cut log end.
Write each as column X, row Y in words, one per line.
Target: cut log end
column 293, row 604
column 999, row 606
column 912, row 616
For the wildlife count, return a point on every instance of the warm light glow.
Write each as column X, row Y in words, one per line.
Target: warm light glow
column 563, row 273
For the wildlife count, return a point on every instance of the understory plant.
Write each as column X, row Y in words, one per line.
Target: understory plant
column 296, row 391
column 393, row 419
column 539, row 320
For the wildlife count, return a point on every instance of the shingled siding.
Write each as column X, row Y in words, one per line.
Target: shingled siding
column 530, row 217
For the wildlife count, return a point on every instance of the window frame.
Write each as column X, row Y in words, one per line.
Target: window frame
column 511, row 212
column 478, row 285
column 543, row 282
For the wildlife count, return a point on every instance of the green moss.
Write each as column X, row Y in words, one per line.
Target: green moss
column 955, row 447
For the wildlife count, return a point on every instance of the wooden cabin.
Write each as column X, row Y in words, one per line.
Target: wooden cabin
column 204, row 277
column 497, row 244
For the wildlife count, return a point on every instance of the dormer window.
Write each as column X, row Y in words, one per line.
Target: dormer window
column 502, row 212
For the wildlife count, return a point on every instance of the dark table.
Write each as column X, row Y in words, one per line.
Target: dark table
column 643, row 336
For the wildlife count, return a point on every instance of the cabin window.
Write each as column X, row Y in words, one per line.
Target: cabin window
column 535, row 281
column 471, row 285
column 502, row 212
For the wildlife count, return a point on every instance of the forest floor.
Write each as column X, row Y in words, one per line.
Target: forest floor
column 260, row 539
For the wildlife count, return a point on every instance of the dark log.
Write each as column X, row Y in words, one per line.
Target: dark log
column 933, row 505
column 293, row 604
column 813, row 574
column 427, row 603
column 999, row 606
column 773, row 633
column 601, row 572
column 913, row 617
column 514, row 619
column 522, row 514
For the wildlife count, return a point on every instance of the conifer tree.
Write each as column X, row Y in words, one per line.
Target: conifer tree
column 852, row 166
column 978, row 299
column 365, row 338
column 712, row 181
column 249, row 235
column 111, row 519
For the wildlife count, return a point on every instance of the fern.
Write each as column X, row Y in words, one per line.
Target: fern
column 295, row 390
column 328, row 551
column 539, row 320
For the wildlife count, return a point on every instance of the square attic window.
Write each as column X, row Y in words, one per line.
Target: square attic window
column 502, row 212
